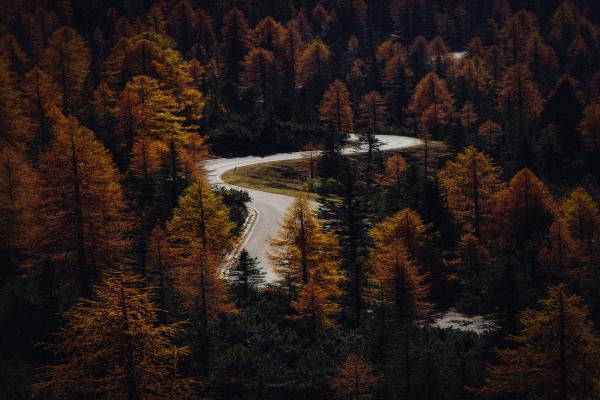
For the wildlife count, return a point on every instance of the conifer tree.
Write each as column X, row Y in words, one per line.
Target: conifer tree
column 81, row 208
column 313, row 68
column 523, row 208
column 200, row 235
column 259, row 75
column 156, row 20
column 182, row 24
column 490, row 131
column 336, row 112
column 396, row 79
column 67, row 60
column 112, row 348
column 347, row 206
column 371, row 119
column 564, row 253
column 268, row 34
column 554, row 357
column 438, row 51
column 519, row 96
column 19, row 183
column 395, row 167
column 399, row 280
column 355, row 379
column 418, row 57
column 245, row 278
column 515, row 36
column 14, row 125
column 432, row 104
column 581, row 215
column 469, row 184
column 303, row 254
column 237, row 40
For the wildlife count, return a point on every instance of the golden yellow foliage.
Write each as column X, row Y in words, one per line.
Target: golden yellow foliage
column 355, row 379
column 469, row 183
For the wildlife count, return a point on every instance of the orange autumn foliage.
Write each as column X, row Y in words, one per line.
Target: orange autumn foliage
column 81, row 207
column 524, row 207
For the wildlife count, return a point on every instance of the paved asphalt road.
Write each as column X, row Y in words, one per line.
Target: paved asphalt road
column 270, row 207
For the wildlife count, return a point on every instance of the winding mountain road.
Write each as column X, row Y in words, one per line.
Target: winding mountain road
column 269, row 208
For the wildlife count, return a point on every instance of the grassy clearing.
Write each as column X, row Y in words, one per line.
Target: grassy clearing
column 282, row 177
column 290, row 177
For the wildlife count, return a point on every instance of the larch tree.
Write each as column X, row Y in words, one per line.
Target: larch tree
column 118, row 65
column 206, row 44
column 103, row 102
column 515, row 36
column 113, row 348
column 472, row 79
column 564, row 252
column 355, row 379
column 469, row 183
column 398, row 280
column 396, row 78
column 438, row 52
column 200, row 235
column 313, row 67
column 316, row 306
column 156, row 20
column 18, row 201
column 490, row 131
column 268, row 34
column 431, row 109
column 522, row 210
column 335, row 109
column 335, row 112
column 432, row 104
column 159, row 132
column 259, row 75
column 372, row 113
column 237, row 40
column 42, row 94
column 555, row 356
column 418, row 56
column 582, row 216
column 182, row 23
column 518, row 95
column 322, row 19
column 395, row 168
column 388, row 50
column 288, row 51
column 67, row 60
column 81, row 207
column 14, row 124
column 305, row 258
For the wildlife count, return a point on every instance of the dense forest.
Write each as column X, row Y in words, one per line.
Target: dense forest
column 121, row 269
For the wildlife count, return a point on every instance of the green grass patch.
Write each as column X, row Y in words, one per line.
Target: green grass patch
column 291, row 177
column 281, row 177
